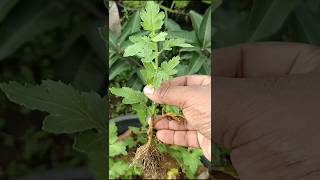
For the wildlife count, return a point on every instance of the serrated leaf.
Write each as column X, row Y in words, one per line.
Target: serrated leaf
column 152, row 19
column 148, row 72
column 69, row 110
column 129, row 95
column 169, row 67
column 143, row 47
column 168, row 44
column 117, row 169
column 159, row 37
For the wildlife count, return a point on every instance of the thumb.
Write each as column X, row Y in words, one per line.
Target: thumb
column 171, row 95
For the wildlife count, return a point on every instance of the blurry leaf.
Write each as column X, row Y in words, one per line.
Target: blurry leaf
column 168, row 44
column 208, row 1
column 91, row 74
column 95, row 147
column 152, row 19
column 171, row 25
column 205, row 29
column 117, row 69
column 196, row 19
column 196, row 63
column 70, row 111
column 307, row 28
column 267, row 17
column 97, row 44
column 5, row 7
column 231, row 27
column 180, row 4
column 133, row 25
column 28, row 19
column 188, row 36
column 113, row 40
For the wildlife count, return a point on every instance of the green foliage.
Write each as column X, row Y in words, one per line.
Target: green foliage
column 288, row 20
column 189, row 159
column 69, row 112
column 152, row 19
column 117, row 167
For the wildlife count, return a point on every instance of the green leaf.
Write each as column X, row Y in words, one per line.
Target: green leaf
column 117, row 169
column 117, row 69
column 113, row 40
column 196, row 19
column 28, row 19
column 129, row 95
column 171, row 25
column 188, row 36
column 189, row 160
column 168, row 44
column 159, row 77
column 196, row 62
column 143, row 47
column 134, row 130
column 141, row 110
column 169, row 67
column 95, row 146
column 152, row 19
column 264, row 12
column 159, row 37
column 205, row 30
column 133, row 25
column 148, row 72
column 70, row 111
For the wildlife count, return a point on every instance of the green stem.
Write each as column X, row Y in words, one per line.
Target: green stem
column 168, row 9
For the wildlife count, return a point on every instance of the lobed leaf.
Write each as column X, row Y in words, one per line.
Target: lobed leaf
column 152, row 19
column 129, row 95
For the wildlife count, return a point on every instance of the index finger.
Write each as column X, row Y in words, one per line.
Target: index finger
column 189, row 80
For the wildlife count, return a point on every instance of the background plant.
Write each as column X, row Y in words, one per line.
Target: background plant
column 46, row 40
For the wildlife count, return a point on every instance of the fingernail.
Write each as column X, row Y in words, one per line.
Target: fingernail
column 148, row 90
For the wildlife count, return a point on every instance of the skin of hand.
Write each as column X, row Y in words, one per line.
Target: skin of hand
column 193, row 95
column 266, row 99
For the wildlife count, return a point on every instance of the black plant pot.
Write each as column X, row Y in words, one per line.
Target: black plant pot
column 123, row 122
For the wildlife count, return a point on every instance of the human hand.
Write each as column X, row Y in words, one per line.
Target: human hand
column 266, row 109
column 193, row 95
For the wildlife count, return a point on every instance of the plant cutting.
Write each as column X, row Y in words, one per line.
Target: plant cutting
column 148, row 48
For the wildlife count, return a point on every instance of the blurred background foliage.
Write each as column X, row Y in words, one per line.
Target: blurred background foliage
column 241, row 21
column 247, row 21
column 41, row 39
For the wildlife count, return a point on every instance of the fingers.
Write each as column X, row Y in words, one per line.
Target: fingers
column 173, row 125
column 181, row 138
column 171, row 95
column 190, row 80
column 264, row 59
